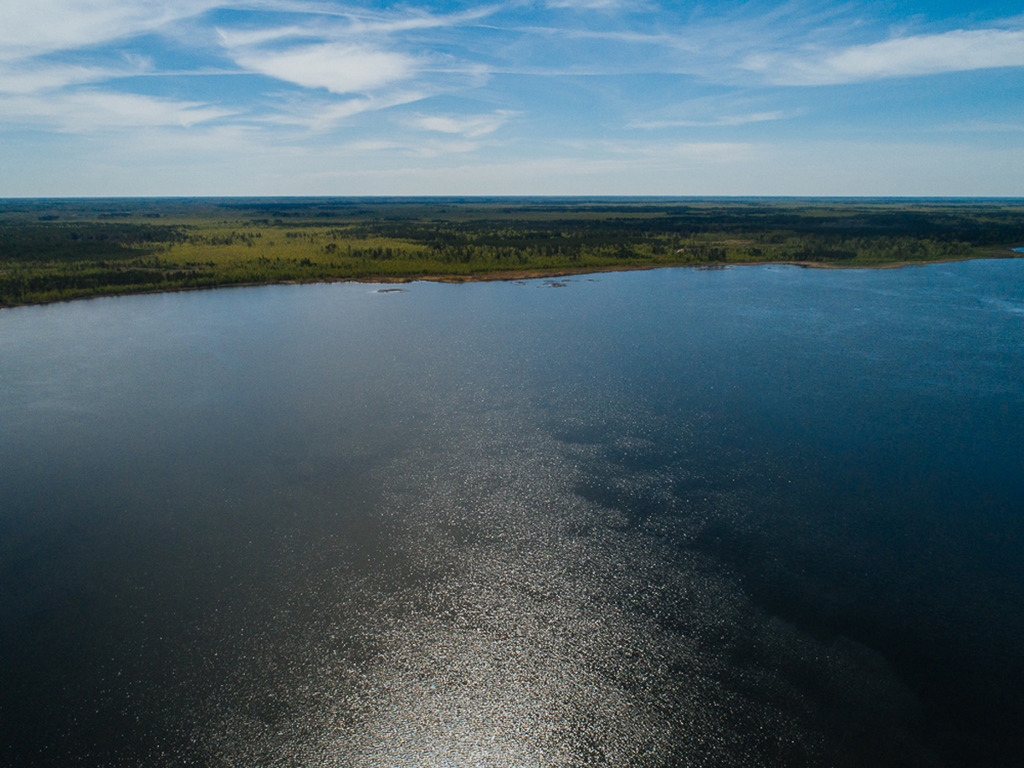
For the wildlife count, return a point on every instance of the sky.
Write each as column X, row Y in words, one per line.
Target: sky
column 555, row 97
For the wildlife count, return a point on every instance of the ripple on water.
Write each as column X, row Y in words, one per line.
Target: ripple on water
column 535, row 626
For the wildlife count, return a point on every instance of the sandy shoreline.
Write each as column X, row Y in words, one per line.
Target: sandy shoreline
column 531, row 274
column 535, row 274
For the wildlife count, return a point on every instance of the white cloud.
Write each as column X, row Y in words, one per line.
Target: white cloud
column 32, row 79
column 471, row 127
column 646, row 40
column 419, row 20
column 420, row 149
column 320, row 115
column 337, row 67
column 34, row 27
column 349, row 23
column 345, row 51
column 92, row 110
column 956, row 51
column 247, row 38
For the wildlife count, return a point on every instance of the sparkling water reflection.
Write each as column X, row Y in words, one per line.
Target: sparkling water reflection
column 760, row 516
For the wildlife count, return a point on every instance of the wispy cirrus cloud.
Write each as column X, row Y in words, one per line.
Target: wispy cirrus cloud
column 43, row 26
column 723, row 121
column 411, row 19
column 349, row 52
column 916, row 55
column 434, row 148
column 319, row 115
column 249, row 39
column 470, row 126
column 25, row 79
column 85, row 111
column 52, row 78
column 323, row 22
column 589, row 4
column 502, row 89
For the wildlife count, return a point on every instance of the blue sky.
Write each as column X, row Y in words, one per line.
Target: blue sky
column 574, row 97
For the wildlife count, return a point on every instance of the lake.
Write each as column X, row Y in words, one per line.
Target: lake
column 755, row 516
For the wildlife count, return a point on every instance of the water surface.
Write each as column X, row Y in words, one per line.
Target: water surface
column 754, row 516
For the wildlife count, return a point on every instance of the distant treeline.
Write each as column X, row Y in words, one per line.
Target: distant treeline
column 64, row 241
column 60, row 249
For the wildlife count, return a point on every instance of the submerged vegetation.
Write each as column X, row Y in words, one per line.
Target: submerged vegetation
column 52, row 250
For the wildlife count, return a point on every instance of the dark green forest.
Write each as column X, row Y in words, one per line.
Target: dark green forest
column 52, row 250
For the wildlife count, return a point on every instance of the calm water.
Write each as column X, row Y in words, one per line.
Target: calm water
column 758, row 516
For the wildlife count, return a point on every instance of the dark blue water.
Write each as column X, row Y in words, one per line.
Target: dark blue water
column 754, row 516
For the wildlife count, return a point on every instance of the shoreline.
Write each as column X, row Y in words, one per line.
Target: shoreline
column 526, row 274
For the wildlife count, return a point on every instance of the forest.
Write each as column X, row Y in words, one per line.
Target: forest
column 61, row 249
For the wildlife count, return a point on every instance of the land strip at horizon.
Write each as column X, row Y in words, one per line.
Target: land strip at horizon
column 58, row 250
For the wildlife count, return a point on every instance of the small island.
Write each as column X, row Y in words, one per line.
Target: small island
column 62, row 249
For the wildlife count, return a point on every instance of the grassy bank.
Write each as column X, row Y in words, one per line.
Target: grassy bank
column 53, row 250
